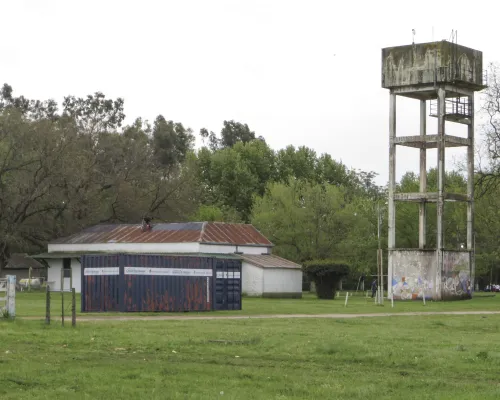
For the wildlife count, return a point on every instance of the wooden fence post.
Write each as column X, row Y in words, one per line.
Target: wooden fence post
column 62, row 296
column 47, row 305
column 73, row 307
column 11, row 295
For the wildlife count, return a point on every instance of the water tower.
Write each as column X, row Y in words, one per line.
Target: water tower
column 445, row 75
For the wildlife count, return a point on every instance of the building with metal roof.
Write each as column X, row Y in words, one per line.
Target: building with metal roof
column 263, row 274
column 190, row 232
column 20, row 265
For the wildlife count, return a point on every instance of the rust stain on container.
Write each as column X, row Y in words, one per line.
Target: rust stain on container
column 155, row 283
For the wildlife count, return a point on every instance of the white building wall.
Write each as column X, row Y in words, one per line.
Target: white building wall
column 253, row 279
column 282, row 280
column 158, row 248
column 127, row 247
column 228, row 249
column 76, row 269
column 54, row 275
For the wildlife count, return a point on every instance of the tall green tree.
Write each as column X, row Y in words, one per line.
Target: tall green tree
column 95, row 113
column 232, row 132
column 311, row 221
column 303, row 163
column 232, row 176
column 171, row 141
column 62, row 172
column 489, row 171
column 487, row 227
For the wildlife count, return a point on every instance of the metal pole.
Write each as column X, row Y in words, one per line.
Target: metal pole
column 73, row 307
column 47, row 305
column 378, row 225
column 29, row 279
column 380, row 267
column 381, row 277
column 62, row 296
column 378, row 253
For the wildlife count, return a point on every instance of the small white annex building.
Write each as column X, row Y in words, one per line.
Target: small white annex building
column 263, row 274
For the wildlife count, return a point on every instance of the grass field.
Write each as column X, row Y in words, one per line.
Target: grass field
column 33, row 304
column 426, row 357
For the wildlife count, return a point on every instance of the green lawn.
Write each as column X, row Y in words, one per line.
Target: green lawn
column 33, row 304
column 425, row 357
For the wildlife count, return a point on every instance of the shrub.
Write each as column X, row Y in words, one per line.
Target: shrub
column 306, row 283
column 326, row 275
column 4, row 313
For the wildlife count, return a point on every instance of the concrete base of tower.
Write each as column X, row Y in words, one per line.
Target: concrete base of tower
column 414, row 273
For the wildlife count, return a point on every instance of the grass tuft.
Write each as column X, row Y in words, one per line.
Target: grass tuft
column 5, row 314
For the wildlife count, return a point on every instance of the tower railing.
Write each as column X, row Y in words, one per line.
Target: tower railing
column 455, row 106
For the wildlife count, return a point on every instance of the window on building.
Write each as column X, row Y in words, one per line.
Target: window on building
column 67, row 267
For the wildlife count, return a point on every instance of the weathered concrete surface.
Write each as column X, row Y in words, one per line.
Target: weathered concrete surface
column 441, row 189
column 417, row 272
column 430, row 197
column 425, row 63
column 430, row 141
column 391, row 209
column 456, row 275
column 414, row 274
column 471, row 237
column 422, row 209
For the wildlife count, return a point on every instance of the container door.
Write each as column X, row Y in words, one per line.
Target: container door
column 228, row 285
column 234, row 285
column 220, row 298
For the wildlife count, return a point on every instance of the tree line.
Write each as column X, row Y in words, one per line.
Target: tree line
column 69, row 166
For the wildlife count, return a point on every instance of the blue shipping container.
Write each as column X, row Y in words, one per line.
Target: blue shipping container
column 144, row 282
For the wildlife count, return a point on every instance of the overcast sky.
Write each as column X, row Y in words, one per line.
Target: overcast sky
column 297, row 72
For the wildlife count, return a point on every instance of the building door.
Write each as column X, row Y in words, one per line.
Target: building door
column 66, row 275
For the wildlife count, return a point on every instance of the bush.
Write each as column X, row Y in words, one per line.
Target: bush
column 326, row 275
column 306, row 283
column 4, row 313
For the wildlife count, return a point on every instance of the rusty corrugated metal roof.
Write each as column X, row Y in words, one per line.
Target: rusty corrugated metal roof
column 240, row 234
column 269, row 261
column 201, row 232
